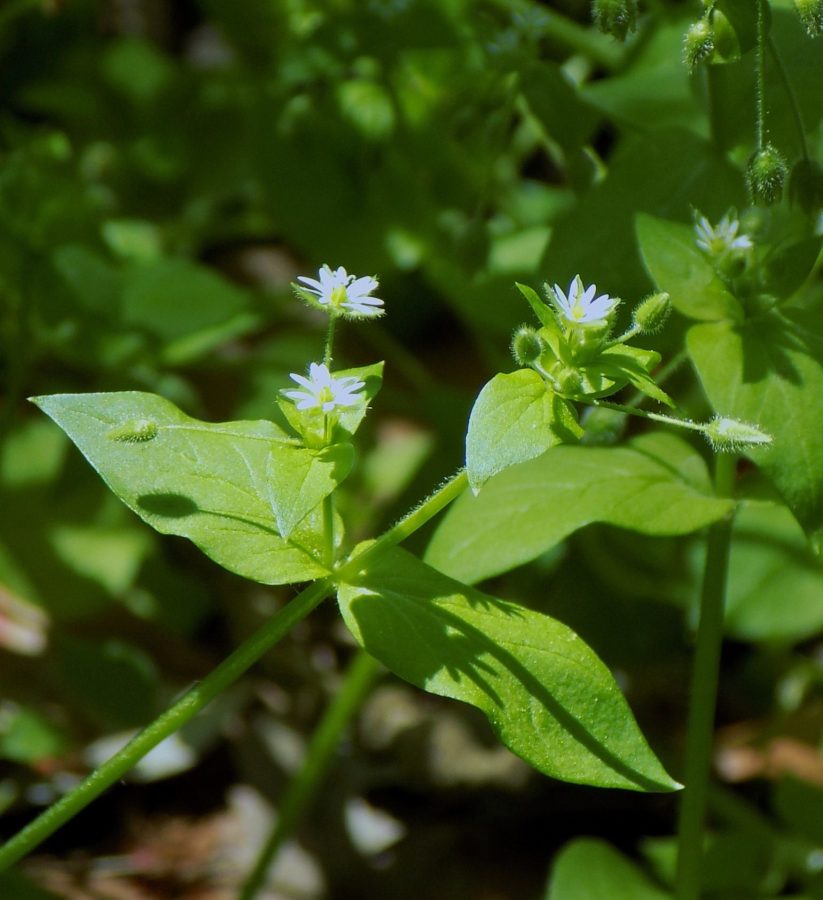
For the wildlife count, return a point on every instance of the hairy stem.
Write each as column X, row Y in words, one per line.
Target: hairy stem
column 645, row 414
column 760, row 85
column 218, row 680
column 195, row 699
column 704, row 694
column 327, row 353
column 303, row 789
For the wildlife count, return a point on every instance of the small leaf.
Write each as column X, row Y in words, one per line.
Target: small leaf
column 678, row 266
column 589, row 869
column 299, row 479
column 515, row 418
column 203, row 481
column 658, row 484
column 547, row 695
column 542, row 310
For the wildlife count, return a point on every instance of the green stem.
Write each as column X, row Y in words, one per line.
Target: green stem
column 167, row 723
column 303, row 789
column 225, row 674
column 793, row 104
column 328, row 530
column 760, row 86
column 327, row 353
column 704, row 693
column 645, row 414
column 410, row 523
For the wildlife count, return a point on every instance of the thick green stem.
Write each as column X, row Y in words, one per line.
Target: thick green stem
column 327, row 353
column 171, row 720
column 319, row 757
column 328, row 530
column 704, row 694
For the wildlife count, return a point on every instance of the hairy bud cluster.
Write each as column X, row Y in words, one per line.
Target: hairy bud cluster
column 811, row 15
column 766, row 175
column 615, row 17
column 698, row 44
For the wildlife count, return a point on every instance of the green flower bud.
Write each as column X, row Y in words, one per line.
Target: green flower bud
column 616, row 17
column 650, row 315
column 811, row 15
column 526, row 346
column 602, row 426
column 806, row 185
column 698, row 44
column 137, row 431
column 729, row 434
column 766, row 175
column 569, row 381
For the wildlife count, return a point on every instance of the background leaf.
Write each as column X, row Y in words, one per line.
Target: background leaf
column 545, row 692
column 657, row 484
column 769, row 371
column 199, row 480
column 588, row 869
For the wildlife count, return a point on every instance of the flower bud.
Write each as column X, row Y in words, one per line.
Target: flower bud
column 526, row 346
column 811, row 15
column 602, row 426
column 806, row 185
column 650, row 315
column 766, row 175
column 569, row 381
column 137, row 431
column 698, row 44
column 615, row 17
column 729, row 434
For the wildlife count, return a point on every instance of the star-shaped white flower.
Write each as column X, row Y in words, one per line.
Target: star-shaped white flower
column 723, row 238
column 341, row 291
column 321, row 390
column 580, row 306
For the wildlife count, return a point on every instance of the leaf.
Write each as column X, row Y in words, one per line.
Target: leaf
column 203, row 481
column 299, row 479
column 768, row 371
column 546, row 694
column 770, row 558
column 589, row 869
column 516, row 417
column 541, row 309
column 657, row 484
column 678, row 267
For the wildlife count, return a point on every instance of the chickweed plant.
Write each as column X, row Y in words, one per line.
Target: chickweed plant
column 583, row 427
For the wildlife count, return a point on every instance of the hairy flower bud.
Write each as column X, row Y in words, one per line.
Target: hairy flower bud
column 616, row 17
column 526, row 346
column 698, row 44
column 811, row 15
column 650, row 315
column 729, row 434
column 766, row 175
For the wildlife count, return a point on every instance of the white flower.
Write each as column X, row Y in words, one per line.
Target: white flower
column 322, row 390
column 580, row 306
column 723, row 238
column 339, row 290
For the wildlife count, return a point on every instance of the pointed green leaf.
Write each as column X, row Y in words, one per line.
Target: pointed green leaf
column 515, row 418
column 542, row 310
column 678, row 266
column 203, row 481
column 299, row 479
column 588, row 869
column 657, row 484
column 769, row 372
column 548, row 696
